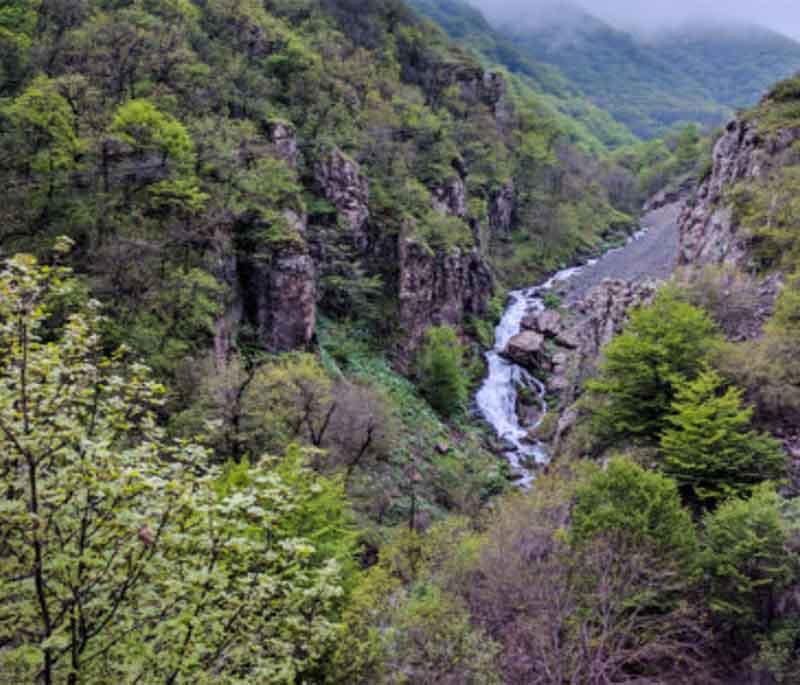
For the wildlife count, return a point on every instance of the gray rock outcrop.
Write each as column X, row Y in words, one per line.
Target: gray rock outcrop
column 501, row 210
column 439, row 288
column 340, row 179
column 708, row 231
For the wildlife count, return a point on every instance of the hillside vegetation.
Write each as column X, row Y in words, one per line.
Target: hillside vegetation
column 251, row 252
column 694, row 74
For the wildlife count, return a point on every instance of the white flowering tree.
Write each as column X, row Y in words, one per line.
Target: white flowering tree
column 124, row 558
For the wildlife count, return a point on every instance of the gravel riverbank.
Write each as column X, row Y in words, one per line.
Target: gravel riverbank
column 653, row 255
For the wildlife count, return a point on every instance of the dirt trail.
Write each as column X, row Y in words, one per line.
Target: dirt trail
column 654, row 255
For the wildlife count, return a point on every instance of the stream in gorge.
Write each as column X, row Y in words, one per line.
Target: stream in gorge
column 497, row 397
column 651, row 252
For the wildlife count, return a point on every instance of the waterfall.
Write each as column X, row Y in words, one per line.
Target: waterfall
column 497, row 397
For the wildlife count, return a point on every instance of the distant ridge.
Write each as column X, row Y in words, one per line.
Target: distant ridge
column 688, row 74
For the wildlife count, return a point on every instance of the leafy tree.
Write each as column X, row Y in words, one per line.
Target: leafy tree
column 747, row 562
column 641, row 507
column 709, row 447
column 289, row 399
column 121, row 559
column 443, row 379
column 163, row 146
column 662, row 347
column 433, row 642
column 46, row 124
column 403, row 626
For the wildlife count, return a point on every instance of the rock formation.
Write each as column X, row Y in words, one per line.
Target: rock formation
column 501, row 210
column 437, row 288
column 576, row 340
column 270, row 287
column 709, row 234
column 341, row 182
column 451, row 197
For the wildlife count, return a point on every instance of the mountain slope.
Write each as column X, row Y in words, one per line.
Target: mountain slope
column 467, row 26
column 650, row 85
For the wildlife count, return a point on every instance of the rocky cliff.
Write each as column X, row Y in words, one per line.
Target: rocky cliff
column 271, row 287
column 437, row 287
column 709, row 233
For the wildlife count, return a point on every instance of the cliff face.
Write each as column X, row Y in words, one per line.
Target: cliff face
column 708, row 231
column 439, row 288
column 272, row 288
column 341, row 182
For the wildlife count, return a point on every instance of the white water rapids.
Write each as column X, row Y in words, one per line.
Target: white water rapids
column 497, row 398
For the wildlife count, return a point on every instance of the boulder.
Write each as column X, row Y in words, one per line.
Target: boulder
column 526, row 349
column 546, row 322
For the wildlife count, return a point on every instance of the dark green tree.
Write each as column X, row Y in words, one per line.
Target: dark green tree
column 639, row 506
column 747, row 561
column 662, row 347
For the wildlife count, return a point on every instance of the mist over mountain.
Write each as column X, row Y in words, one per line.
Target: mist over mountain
column 654, row 70
column 660, row 15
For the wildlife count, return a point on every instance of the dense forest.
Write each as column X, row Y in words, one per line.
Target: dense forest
column 252, row 253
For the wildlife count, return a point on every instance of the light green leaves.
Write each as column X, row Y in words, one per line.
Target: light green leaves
column 121, row 557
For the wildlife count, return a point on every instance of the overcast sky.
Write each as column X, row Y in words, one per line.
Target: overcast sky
column 781, row 15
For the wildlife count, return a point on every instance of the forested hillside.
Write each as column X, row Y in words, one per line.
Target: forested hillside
column 590, row 125
column 694, row 74
column 252, row 254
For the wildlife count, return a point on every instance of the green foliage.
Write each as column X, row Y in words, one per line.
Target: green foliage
column 289, row 398
column 747, row 562
column 769, row 368
column 443, row 379
column 149, row 131
column 551, row 300
column 709, row 447
column 662, row 347
column 46, row 123
column 460, row 480
column 405, row 626
column 434, row 642
column 643, row 508
column 122, row 559
column 443, row 232
column 780, row 108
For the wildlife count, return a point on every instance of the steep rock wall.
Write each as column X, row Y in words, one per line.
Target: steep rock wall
column 271, row 288
column 708, row 231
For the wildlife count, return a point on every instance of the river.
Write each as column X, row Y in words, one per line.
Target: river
column 650, row 253
column 497, row 397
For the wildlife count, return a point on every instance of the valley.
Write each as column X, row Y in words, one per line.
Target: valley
column 365, row 342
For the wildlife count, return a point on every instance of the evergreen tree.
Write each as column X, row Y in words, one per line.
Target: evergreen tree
column 662, row 347
column 747, row 561
column 628, row 502
column 441, row 367
column 709, row 447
